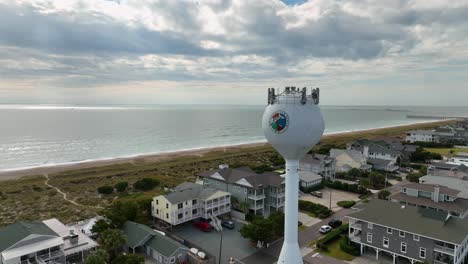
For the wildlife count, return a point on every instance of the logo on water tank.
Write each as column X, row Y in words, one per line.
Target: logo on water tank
column 279, row 121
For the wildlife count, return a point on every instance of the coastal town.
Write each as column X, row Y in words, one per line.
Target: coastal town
column 385, row 198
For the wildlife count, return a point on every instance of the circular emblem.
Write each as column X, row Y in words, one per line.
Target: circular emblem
column 279, row 121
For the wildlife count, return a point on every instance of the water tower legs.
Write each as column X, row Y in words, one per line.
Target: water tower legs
column 290, row 253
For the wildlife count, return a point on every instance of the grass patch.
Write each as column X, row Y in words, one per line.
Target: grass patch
column 448, row 152
column 309, row 214
column 335, row 251
column 302, row 227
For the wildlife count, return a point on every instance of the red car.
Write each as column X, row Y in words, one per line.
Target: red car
column 203, row 226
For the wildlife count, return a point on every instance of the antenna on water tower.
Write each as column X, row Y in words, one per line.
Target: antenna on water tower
column 293, row 124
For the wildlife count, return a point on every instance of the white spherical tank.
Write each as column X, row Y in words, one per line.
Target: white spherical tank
column 292, row 122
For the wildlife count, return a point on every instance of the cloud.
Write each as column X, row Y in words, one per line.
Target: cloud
column 94, row 44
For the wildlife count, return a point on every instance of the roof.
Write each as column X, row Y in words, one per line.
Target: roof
column 417, row 220
column 458, row 206
column 139, row 235
column 450, row 182
column 255, row 180
column 448, row 166
column 185, row 192
column 462, row 155
column 379, row 163
column 316, row 159
column 353, row 154
column 430, row 188
column 422, row 132
column 14, row 233
column 376, row 148
column 307, row 176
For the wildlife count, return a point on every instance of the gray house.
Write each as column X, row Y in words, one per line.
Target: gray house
column 410, row 233
column 435, row 197
column 319, row 164
column 264, row 192
column 309, row 179
column 153, row 244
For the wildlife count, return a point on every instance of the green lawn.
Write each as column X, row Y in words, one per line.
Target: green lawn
column 446, row 151
column 335, row 251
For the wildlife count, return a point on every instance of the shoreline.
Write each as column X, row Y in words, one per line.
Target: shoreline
column 16, row 173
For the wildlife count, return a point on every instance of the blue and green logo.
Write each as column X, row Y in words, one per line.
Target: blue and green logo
column 279, row 121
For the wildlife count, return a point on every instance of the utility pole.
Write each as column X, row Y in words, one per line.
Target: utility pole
column 329, row 207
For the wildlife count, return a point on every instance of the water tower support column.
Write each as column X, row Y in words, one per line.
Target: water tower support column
column 290, row 253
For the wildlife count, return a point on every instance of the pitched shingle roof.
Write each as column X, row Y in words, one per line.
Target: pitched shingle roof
column 255, row 179
column 16, row 232
column 430, row 188
column 354, row 154
column 307, row 176
column 185, row 192
column 424, row 222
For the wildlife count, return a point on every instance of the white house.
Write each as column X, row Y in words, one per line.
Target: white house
column 190, row 201
column 319, row 164
column 348, row 159
column 421, row 136
column 460, row 159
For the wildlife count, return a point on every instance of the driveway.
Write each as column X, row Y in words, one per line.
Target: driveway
column 317, row 258
column 271, row 254
column 337, row 196
column 234, row 245
column 306, row 220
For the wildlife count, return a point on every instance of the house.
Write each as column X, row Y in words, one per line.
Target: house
column 411, row 233
column 348, row 159
column 422, row 136
column 460, row 158
column 448, row 170
column 46, row 241
column 431, row 196
column 319, row 164
column 264, row 192
column 153, row 244
column 382, row 155
column 309, row 179
column 190, row 201
column 450, row 182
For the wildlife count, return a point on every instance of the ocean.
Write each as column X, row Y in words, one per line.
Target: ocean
column 42, row 135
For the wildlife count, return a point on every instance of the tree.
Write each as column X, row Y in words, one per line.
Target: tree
column 414, row 177
column 106, row 189
column 100, row 226
column 111, row 240
column 129, row 259
column 146, row 184
column 120, row 212
column 98, row 257
column 354, row 173
column 259, row 230
column 383, row 194
column 244, row 206
column 121, row 186
column 376, row 180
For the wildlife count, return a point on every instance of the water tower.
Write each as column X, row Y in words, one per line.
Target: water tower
column 292, row 124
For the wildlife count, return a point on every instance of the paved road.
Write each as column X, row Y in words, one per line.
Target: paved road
column 315, row 258
column 271, row 254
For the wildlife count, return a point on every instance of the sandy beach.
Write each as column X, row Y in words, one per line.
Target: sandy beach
column 48, row 169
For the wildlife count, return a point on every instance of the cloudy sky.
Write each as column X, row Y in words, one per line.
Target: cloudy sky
column 360, row 52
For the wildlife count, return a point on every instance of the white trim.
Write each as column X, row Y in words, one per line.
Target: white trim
column 389, row 230
column 425, row 252
column 401, row 247
column 369, row 235
column 400, row 233
column 416, row 236
column 383, row 242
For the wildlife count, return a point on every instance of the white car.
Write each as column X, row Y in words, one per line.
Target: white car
column 325, row 229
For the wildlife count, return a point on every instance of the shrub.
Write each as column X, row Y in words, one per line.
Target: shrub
column 346, row 204
column 316, row 209
column 251, row 217
column 121, row 186
column 354, row 188
column 348, row 247
column 332, row 236
column 106, row 189
column 146, row 184
column 414, row 177
column 383, row 194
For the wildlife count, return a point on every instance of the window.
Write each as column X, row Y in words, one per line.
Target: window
column 402, row 234
column 157, row 211
column 157, row 202
column 369, row 237
column 167, row 216
column 386, row 242
column 403, row 247
column 194, row 202
column 179, row 206
column 422, row 253
column 404, row 190
column 389, row 230
column 179, row 216
column 369, row 225
column 172, row 259
column 186, row 202
column 415, row 237
column 167, row 206
column 194, row 211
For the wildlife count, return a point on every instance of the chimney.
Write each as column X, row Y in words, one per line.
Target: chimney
column 436, row 193
column 73, row 237
column 223, row 166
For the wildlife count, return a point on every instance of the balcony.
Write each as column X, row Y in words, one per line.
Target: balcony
column 256, row 206
column 355, row 239
column 445, row 250
column 50, row 255
column 256, row 197
column 278, row 195
column 356, row 226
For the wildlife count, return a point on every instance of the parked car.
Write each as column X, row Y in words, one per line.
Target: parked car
column 325, row 229
column 318, row 194
column 228, row 224
column 335, row 223
column 203, row 226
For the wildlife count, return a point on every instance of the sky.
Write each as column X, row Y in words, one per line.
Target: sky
column 359, row 52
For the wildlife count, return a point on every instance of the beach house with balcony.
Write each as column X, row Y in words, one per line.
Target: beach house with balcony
column 414, row 234
column 263, row 192
column 380, row 154
column 322, row 165
column 41, row 242
column 190, row 201
column 431, row 196
column 349, row 159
